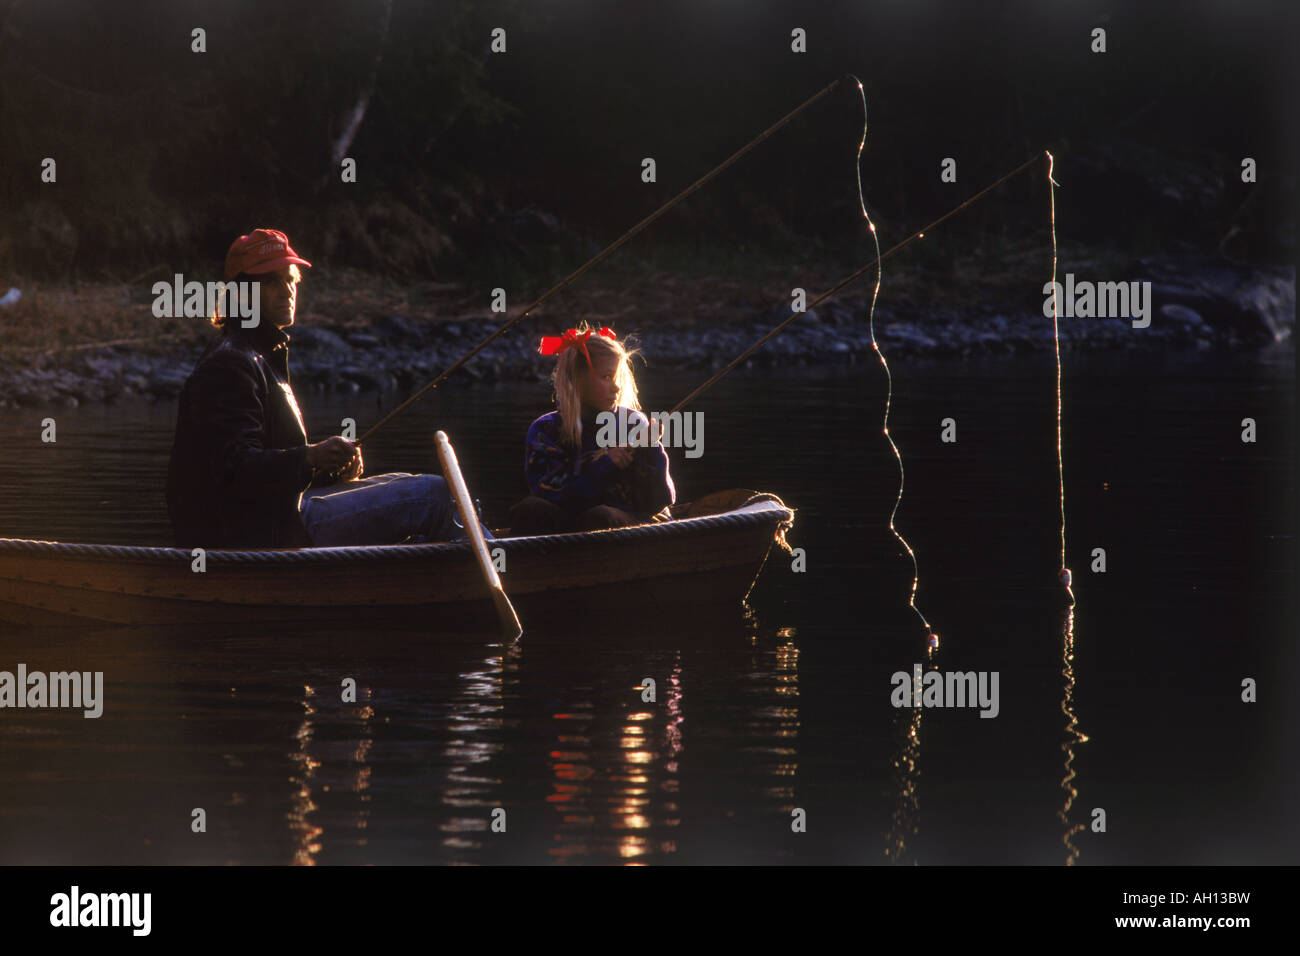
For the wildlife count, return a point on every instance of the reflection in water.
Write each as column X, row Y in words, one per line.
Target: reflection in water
column 619, row 768
column 646, row 765
column 632, row 804
column 786, row 718
column 471, row 789
column 307, row 835
column 905, row 821
column 1073, row 736
column 606, row 773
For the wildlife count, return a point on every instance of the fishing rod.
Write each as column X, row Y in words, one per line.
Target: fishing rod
column 852, row 277
column 616, row 244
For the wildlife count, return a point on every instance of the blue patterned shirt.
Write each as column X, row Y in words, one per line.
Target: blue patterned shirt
column 589, row 478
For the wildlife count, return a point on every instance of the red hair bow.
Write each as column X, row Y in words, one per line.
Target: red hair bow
column 572, row 338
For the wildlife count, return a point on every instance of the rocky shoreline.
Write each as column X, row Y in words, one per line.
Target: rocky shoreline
column 1195, row 304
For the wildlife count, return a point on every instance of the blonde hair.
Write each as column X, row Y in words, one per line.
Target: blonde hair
column 572, row 363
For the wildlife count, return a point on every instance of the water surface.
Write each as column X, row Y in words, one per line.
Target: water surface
column 785, row 705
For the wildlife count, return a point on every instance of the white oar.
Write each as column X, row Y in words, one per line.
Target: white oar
column 469, row 518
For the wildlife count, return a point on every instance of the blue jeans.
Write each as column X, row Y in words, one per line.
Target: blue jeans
column 386, row 509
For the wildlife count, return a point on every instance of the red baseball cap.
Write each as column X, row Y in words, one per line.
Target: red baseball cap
column 262, row 250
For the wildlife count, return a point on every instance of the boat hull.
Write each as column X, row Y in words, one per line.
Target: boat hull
column 659, row 570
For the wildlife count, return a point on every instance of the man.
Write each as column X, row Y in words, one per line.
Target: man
column 242, row 474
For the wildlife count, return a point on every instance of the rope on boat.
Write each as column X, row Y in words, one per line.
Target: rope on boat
column 782, row 526
column 775, row 513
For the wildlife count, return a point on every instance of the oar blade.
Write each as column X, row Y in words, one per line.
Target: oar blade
column 478, row 546
column 510, row 626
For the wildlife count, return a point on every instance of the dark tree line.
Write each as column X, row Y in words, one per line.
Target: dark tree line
column 465, row 156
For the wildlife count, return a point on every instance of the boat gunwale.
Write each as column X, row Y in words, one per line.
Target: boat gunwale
column 760, row 509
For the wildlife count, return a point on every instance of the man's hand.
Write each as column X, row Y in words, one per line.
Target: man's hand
column 354, row 468
column 622, row 456
column 332, row 454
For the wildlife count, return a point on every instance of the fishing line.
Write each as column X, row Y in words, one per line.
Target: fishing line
column 905, row 820
column 847, row 280
column 1056, row 338
column 852, row 277
column 932, row 641
column 616, row 244
column 1073, row 734
column 933, row 638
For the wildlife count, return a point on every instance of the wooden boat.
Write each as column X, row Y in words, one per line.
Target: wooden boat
column 709, row 555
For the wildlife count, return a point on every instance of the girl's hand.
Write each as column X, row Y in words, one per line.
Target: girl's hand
column 622, row 456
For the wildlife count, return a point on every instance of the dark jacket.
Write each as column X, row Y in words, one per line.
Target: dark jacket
column 577, row 480
column 239, row 460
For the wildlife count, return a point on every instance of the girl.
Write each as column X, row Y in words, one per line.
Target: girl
column 578, row 483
